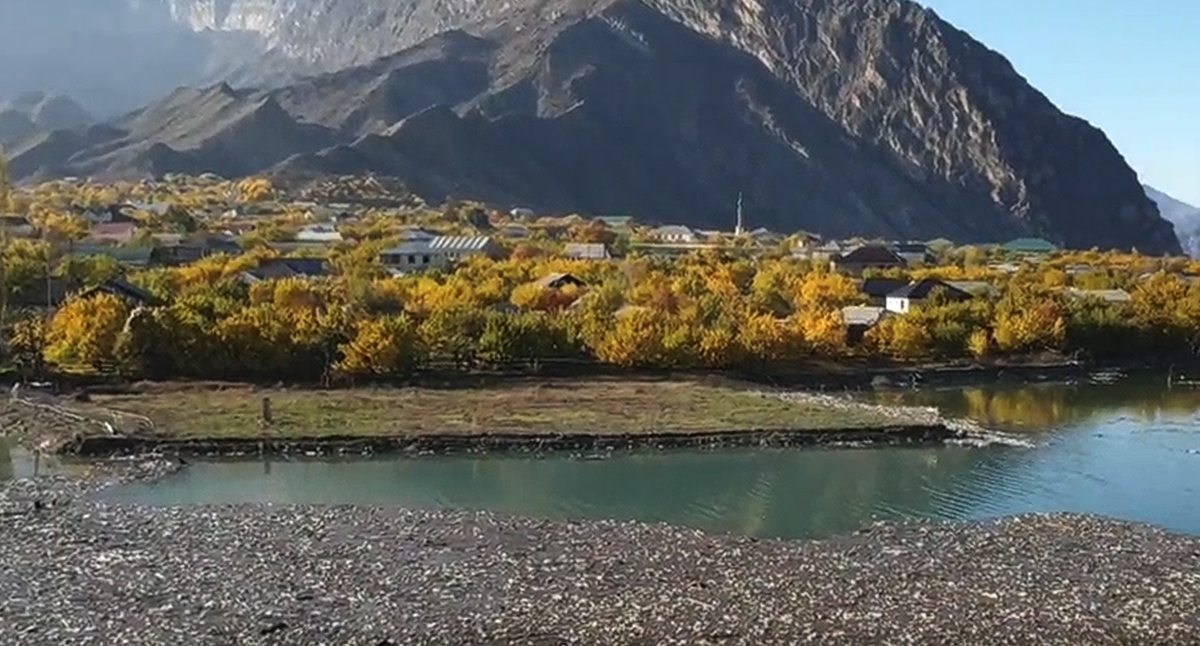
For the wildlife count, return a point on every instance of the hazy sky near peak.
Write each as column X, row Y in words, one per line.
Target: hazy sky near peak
column 1130, row 67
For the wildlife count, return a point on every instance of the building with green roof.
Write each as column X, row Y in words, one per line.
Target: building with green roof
column 1030, row 247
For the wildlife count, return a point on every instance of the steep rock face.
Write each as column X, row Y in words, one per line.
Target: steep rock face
column 1184, row 216
column 846, row 117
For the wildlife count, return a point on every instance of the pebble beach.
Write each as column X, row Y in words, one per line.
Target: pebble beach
column 76, row 571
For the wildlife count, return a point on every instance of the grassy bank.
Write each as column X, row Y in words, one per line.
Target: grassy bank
column 181, row 411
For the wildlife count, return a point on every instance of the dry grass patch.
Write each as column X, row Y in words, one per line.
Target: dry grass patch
column 552, row 407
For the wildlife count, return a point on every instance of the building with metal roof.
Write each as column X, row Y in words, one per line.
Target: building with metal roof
column 438, row 252
column 586, row 251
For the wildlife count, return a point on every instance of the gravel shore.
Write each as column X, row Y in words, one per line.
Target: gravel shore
column 80, row 572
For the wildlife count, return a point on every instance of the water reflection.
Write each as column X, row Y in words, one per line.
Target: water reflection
column 765, row 493
column 1050, row 406
column 1129, row 451
column 1120, row 468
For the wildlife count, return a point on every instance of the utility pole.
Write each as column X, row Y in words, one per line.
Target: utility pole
column 738, row 230
column 4, row 203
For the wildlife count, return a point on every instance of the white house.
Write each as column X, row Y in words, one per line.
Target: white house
column 586, row 251
column 438, row 252
column 675, row 233
column 319, row 233
column 902, row 300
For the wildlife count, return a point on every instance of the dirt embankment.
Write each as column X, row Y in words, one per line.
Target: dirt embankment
column 575, row 415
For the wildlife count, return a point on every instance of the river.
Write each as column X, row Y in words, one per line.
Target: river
column 1130, row 450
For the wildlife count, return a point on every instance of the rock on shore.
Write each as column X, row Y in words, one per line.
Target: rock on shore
column 78, row 572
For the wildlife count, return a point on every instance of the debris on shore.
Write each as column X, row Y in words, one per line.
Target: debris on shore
column 78, row 571
column 961, row 430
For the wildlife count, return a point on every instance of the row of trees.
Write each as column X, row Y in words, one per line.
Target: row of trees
column 701, row 311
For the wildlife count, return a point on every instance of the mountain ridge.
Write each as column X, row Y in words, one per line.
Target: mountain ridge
column 34, row 114
column 1184, row 216
column 1171, row 208
column 839, row 116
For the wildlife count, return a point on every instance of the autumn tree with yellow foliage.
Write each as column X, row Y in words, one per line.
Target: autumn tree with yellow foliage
column 711, row 310
column 83, row 333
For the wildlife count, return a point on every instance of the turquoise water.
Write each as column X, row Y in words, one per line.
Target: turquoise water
column 1130, row 451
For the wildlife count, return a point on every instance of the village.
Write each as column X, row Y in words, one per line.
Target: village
column 181, row 220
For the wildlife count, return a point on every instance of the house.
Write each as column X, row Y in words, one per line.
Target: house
column 167, row 239
column 974, row 287
column 275, row 268
column 16, row 226
column 522, row 213
column 675, row 233
column 1110, row 296
column 514, row 231
column 1029, row 247
column 877, row 289
column 586, row 251
column 416, row 233
column 158, row 208
column 858, row 319
column 617, row 222
column 558, row 280
column 231, row 229
column 174, row 249
column 319, row 233
column 439, row 251
column 124, row 290
column 902, row 300
column 914, row 253
column 127, row 255
column 765, row 236
column 328, row 213
column 118, row 233
column 105, row 215
column 817, row 251
column 1004, row 267
column 867, row 257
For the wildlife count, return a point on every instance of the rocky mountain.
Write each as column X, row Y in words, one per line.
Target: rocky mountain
column 1184, row 216
column 35, row 113
column 1172, row 209
column 116, row 55
column 111, row 55
column 871, row 117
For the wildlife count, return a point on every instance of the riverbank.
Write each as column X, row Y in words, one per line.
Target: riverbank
column 533, row 415
column 78, row 571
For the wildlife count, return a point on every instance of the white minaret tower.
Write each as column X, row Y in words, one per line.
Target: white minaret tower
column 738, row 230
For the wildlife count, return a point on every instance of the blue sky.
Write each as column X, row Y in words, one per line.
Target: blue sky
column 1130, row 67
